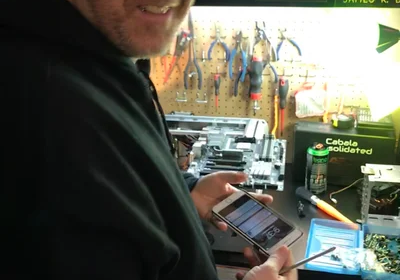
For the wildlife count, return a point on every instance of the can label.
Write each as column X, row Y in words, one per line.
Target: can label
column 317, row 168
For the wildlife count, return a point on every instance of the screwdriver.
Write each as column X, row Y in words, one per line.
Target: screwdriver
column 282, row 91
column 217, row 83
column 255, row 72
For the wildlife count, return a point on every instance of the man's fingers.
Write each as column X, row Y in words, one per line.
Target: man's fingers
column 240, row 275
column 278, row 259
column 231, row 177
column 264, row 198
column 219, row 224
column 291, row 274
column 253, row 256
column 289, row 260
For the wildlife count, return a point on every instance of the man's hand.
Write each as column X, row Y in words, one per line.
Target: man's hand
column 269, row 269
column 213, row 188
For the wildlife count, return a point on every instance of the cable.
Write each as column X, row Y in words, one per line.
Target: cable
column 341, row 190
column 393, row 194
column 276, row 120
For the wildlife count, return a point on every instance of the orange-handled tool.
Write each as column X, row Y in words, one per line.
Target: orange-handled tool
column 331, row 211
column 324, row 206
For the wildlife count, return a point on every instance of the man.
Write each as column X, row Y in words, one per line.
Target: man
column 90, row 189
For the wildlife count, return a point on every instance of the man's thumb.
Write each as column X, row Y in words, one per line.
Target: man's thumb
column 278, row 259
column 232, row 177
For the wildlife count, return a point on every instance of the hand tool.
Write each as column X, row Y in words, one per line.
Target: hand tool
column 269, row 49
column 236, row 84
column 262, row 36
column 238, row 47
column 282, row 91
column 291, row 41
column 192, row 61
column 218, row 41
column 255, row 71
column 324, row 206
column 181, row 41
column 306, row 260
column 217, row 83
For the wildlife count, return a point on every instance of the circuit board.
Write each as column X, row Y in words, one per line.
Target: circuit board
column 231, row 144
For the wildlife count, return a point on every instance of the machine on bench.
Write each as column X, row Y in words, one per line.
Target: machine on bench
column 231, row 144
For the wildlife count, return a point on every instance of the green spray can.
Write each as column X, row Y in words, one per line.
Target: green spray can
column 317, row 168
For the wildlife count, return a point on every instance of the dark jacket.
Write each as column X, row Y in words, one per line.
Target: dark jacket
column 89, row 189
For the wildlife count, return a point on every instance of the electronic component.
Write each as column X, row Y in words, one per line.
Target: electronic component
column 377, row 179
column 385, row 198
column 233, row 144
column 300, row 209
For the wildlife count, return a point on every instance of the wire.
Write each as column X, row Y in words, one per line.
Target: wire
column 273, row 132
column 392, row 199
column 393, row 194
column 343, row 189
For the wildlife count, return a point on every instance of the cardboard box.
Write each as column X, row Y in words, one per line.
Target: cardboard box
column 349, row 149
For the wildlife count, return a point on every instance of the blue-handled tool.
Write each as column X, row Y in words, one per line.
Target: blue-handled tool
column 218, row 41
column 238, row 47
column 291, row 41
column 269, row 49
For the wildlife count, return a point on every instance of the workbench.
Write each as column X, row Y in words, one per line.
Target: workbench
column 285, row 202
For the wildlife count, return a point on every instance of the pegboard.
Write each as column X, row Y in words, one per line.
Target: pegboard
column 321, row 63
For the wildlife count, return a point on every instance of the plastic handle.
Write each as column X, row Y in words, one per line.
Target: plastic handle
column 244, row 66
column 255, row 72
column 236, row 85
column 283, row 91
column 300, row 191
column 210, row 49
column 331, row 211
column 186, row 77
column 233, row 54
column 274, row 72
column 217, row 83
column 199, row 74
column 296, row 46
column 278, row 49
column 227, row 51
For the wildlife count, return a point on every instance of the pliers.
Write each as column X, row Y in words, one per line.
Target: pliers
column 291, row 41
column 218, row 40
column 192, row 60
column 238, row 46
column 262, row 36
column 270, row 51
column 181, row 41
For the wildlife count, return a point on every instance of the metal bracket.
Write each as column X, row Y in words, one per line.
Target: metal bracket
column 204, row 100
column 181, row 99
